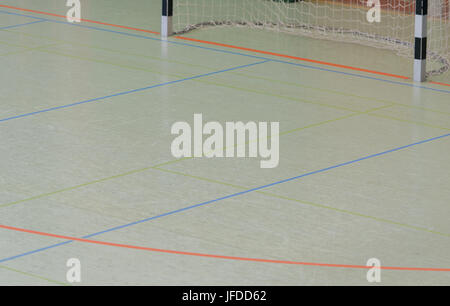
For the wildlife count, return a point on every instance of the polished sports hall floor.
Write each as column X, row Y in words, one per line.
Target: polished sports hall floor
column 85, row 117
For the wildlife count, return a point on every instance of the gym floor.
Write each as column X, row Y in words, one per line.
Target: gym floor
column 85, row 124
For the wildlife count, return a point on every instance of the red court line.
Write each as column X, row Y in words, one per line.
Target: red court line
column 286, row 262
column 439, row 83
column 292, row 57
column 230, row 46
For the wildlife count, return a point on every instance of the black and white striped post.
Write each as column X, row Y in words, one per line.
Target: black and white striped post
column 166, row 22
column 420, row 44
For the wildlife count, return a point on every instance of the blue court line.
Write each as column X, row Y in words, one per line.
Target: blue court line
column 21, row 25
column 230, row 196
column 237, row 53
column 139, row 36
column 128, row 92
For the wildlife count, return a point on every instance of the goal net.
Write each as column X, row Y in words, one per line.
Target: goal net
column 342, row 20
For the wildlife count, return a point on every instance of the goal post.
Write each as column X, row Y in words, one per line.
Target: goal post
column 166, row 20
column 420, row 40
column 405, row 28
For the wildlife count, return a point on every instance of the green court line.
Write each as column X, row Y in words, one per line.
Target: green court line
column 207, row 67
column 76, row 187
column 286, row 132
column 234, row 87
column 25, row 48
column 172, row 162
column 7, row 43
column 410, row 121
column 347, row 94
column 41, row 49
column 261, row 92
column 235, row 72
column 35, row 276
column 274, row 80
column 264, row 78
column 345, row 211
column 218, row 84
column 198, row 80
column 246, row 89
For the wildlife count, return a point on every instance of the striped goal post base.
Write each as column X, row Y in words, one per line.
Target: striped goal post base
column 167, row 16
column 420, row 41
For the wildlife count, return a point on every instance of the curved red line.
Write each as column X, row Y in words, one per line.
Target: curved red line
column 287, row 262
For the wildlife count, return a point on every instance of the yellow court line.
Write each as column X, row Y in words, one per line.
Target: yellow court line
column 410, row 121
column 196, row 80
column 252, row 90
column 35, row 276
column 240, row 88
column 345, row 211
column 224, row 85
column 171, row 162
column 348, row 94
column 25, row 48
column 144, row 169
column 233, row 72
